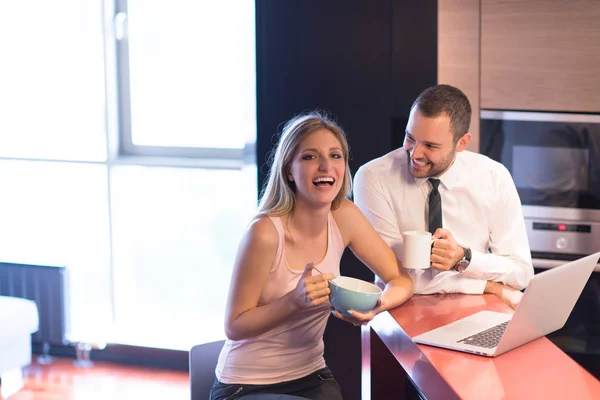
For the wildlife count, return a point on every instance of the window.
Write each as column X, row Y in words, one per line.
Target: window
column 175, row 235
column 52, row 103
column 56, row 213
column 187, row 89
column 191, row 73
column 127, row 131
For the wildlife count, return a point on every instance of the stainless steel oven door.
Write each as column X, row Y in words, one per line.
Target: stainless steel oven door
column 554, row 159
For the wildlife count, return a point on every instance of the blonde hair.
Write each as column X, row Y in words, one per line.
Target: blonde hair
column 278, row 195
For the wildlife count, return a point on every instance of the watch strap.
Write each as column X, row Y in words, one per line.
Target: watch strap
column 464, row 262
column 468, row 254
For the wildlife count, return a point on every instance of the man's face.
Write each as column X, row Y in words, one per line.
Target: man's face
column 430, row 145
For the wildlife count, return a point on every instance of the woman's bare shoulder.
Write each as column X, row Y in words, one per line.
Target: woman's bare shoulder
column 347, row 209
column 262, row 231
column 348, row 218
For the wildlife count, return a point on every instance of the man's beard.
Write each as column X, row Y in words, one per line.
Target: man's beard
column 434, row 169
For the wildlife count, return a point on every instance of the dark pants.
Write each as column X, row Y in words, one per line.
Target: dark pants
column 320, row 385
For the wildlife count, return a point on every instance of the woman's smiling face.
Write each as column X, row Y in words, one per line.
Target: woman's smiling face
column 318, row 168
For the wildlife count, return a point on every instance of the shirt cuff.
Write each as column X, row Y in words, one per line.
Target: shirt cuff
column 471, row 286
column 477, row 267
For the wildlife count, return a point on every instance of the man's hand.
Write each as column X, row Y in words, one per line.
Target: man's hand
column 445, row 252
column 507, row 294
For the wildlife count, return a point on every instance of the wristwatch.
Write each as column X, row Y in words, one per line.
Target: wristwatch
column 464, row 263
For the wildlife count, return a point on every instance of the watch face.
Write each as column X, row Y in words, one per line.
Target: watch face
column 462, row 265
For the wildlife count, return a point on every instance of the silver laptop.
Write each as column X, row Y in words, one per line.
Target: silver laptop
column 544, row 308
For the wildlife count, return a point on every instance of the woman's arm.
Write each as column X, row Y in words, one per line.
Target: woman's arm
column 370, row 248
column 255, row 257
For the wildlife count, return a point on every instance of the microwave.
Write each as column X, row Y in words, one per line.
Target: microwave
column 554, row 160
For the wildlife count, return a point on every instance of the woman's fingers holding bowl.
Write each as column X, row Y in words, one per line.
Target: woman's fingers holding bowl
column 312, row 290
column 363, row 317
column 318, row 292
column 317, row 282
column 320, row 278
column 354, row 317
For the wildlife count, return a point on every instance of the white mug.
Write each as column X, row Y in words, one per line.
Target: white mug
column 416, row 250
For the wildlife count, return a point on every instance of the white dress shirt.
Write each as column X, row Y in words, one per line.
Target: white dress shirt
column 480, row 207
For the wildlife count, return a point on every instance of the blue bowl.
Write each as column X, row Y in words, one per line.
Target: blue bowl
column 353, row 294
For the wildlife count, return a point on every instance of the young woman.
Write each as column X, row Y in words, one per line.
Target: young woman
column 278, row 301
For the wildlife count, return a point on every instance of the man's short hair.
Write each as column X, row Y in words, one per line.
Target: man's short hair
column 446, row 100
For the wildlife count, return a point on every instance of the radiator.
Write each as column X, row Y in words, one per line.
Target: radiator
column 47, row 286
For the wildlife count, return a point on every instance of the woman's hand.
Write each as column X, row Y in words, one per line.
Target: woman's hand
column 311, row 290
column 358, row 318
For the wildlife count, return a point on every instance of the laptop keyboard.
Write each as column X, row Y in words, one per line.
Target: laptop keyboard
column 488, row 338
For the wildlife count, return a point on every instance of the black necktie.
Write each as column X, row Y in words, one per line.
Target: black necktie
column 435, row 206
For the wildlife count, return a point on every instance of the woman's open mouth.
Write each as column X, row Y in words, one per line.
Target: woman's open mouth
column 323, row 181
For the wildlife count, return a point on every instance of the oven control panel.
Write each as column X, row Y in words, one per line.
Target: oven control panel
column 562, row 227
column 551, row 236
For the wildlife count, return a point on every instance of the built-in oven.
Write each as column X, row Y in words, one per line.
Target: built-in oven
column 554, row 159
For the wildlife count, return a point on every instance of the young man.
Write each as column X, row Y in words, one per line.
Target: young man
column 466, row 200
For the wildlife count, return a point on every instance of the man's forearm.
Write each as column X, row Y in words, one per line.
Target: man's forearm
column 513, row 271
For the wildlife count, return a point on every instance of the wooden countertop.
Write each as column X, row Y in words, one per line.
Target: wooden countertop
column 535, row 370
